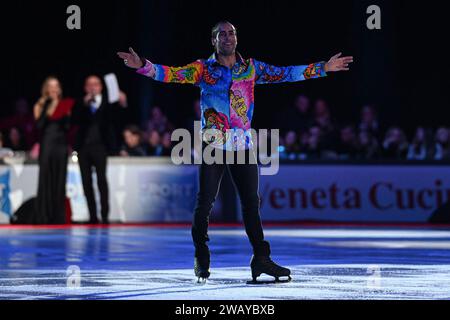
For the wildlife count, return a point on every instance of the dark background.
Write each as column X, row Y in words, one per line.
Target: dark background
column 402, row 69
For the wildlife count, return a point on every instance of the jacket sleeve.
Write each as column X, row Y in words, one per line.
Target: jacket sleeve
column 76, row 117
column 188, row 74
column 266, row 73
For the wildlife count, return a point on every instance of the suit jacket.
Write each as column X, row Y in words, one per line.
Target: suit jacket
column 107, row 117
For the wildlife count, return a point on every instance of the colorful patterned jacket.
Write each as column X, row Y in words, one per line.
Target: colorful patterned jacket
column 227, row 95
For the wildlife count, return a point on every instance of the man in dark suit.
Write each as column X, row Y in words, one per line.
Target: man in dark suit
column 96, row 138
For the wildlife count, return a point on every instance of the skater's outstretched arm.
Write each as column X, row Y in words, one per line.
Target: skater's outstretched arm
column 266, row 73
column 190, row 74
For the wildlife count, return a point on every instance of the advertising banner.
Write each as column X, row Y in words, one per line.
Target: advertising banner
column 354, row 193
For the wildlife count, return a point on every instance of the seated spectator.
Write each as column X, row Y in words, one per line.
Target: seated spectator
column 154, row 146
column 369, row 121
column 158, row 121
column 395, row 145
column 303, row 144
column 419, row 148
column 323, row 120
column 15, row 140
column 290, row 148
column 368, row 146
column 347, row 147
column 441, row 150
column 166, row 144
column 297, row 117
column 314, row 142
column 322, row 116
column 132, row 146
column 23, row 120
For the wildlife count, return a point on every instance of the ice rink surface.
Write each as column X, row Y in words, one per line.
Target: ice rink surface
column 156, row 263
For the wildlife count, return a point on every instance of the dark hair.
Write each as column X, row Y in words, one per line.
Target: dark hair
column 94, row 75
column 215, row 29
column 133, row 129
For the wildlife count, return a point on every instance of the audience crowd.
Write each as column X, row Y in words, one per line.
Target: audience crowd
column 308, row 130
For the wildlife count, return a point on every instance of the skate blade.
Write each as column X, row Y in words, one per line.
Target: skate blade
column 201, row 281
column 275, row 281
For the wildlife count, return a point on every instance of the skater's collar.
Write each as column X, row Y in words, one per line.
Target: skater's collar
column 213, row 59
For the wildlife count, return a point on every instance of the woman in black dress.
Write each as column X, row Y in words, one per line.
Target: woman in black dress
column 53, row 124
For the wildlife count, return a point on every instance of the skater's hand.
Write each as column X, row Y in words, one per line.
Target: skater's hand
column 131, row 59
column 338, row 64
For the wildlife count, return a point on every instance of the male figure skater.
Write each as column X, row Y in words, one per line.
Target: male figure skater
column 227, row 84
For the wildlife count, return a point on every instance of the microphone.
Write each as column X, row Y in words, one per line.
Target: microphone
column 91, row 101
column 47, row 104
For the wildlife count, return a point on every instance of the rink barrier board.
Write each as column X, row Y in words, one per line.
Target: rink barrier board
column 153, row 190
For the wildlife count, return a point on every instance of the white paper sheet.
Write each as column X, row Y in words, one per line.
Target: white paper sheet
column 112, row 85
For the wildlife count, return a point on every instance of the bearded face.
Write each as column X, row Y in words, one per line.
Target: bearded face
column 225, row 40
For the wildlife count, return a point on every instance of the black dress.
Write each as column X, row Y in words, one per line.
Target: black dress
column 53, row 158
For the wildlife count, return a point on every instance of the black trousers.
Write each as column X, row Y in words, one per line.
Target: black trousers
column 51, row 195
column 246, row 181
column 90, row 157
